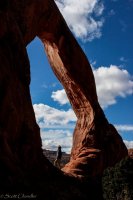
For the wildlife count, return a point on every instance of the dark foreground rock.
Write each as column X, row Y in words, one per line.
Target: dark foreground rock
column 96, row 143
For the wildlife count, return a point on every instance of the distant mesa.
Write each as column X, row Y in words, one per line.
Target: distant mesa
column 51, row 155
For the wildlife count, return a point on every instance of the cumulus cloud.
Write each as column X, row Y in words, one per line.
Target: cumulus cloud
column 129, row 144
column 83, row 17
column 52, row 138
column 57, row 127
column 60, row 96
column 111, row 82
column 49, row 117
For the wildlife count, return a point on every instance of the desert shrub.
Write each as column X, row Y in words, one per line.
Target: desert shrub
column 118, row 181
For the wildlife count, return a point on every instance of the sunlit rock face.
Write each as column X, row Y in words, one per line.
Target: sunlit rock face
column 96, row 143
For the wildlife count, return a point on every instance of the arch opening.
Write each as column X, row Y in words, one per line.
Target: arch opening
column 53, row 111
column 72, row 68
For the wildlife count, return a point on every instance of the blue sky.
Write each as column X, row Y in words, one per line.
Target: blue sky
column 104, row 30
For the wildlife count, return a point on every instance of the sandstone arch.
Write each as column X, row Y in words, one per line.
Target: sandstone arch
column 95, row 140
column 92, row 131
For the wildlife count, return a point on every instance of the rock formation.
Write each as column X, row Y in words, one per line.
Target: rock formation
column 96, row 143
column 130, row 153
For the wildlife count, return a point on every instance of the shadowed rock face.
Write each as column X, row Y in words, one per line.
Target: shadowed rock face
column 96, row 143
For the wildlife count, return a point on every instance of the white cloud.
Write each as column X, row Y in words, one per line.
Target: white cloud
column 44, row 86
column 122, row 59
column 124, row 127
column 49, row 117
column 99, row 7
column 112, row 82
column 60, row 96
column 129, row 144
column 52, row 138
column 82, row 17
column 52, row 85
column 93, row 63
column 57, row 127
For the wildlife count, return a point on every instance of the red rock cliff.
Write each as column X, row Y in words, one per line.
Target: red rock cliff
column 96, row 143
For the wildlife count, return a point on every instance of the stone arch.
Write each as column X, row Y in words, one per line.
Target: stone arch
column 70, row 65
column 95, row 140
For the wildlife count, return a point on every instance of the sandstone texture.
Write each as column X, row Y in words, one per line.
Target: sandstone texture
column 130, row 153
column 96, row 143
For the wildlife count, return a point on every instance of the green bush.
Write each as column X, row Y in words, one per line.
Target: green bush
column 118, row 181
